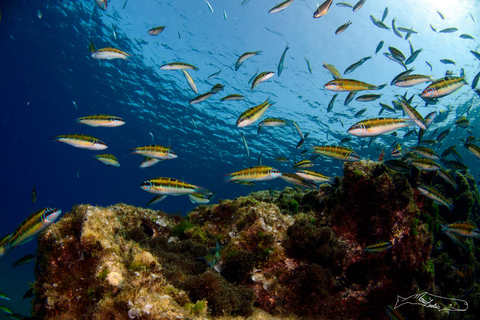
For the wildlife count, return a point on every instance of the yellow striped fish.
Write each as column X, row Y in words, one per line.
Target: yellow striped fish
column 32, row 225
column 264, row 76
column 82, row 141
column 314, row 176
column 244, row 57
column 109, row 54
column 101, row 120
column 4, row 247
column 201, row 197
column 436, row 196
column 256, row 173
column 297, row 180
column 156, row 151
column 333, row 71
column 349, row 85
column 474, row 149
column 378, row 247
column 169, row 186
column 336, row 152
column 149, row 162
column 178, row 66
column 425, row 152
column 280, row 7
column 462, row 228
column 303, row 164
column 443, row 86
column 251, row 115
column 190, row 81
column 233, row 97
column 411, row 80
column 413, row 114
column 425, row 164
column 377, row 126
column 108, row 159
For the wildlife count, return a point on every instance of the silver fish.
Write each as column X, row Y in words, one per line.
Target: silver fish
column 280, row 64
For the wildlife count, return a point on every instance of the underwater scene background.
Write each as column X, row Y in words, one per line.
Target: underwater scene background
column 49, row 79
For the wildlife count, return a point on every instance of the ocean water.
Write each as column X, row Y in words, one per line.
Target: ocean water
column 49, row 79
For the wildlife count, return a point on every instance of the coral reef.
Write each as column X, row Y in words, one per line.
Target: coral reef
column 282, row 255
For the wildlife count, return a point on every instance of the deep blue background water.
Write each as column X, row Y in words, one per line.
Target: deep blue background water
column 45, row 67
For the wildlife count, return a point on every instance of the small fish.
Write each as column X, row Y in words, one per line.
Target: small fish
column 448, row 30
column 443, row 135
column 299, row 181
column 378, row 247
column 156, row 200
column 190, row 81
column 343, row 27
column 301, row 142
column 407, row 30
column 82, row 141
column 149, row 162
column 447, row 61
column 385, row 13
column 156, row 31
column 108, row 159
column 264, row 76
column 333, row 71
column 394, row 28
column 251, row 115
column 336, row 152
column 446, row 176
column 425, row 152
column 280, row 64
column 440, row 14
column 442, row 87
column 200, row 197
column 303, row 164
column 308, row 65
column 32, row 225
column 200, row 98
column 156, row 151
column 379, row 23
column 314, row 176
column 273, row 122
column 344, row 5
column 359, row 113
column 425, row 164
column 377, row 126
column 109, row 54
column 389, row 56
column 281, row 6
column 357, row 64
column 225, row 18
column 398, row 165
column 169, row 186
column 476, row 54
column 260, row 157
column 433, row 28
column 233, row 97
column 387, row 107
column 413, row 114
column 349, row 85
column 368, row 97
column 475, row 80
column 245, row 145
column 332, row 102
column 462, row 228
column 24, row 260
column 358, row 5
column 397, row 54
column 282, row 159
column 217, row 88
column 101, row 120
column 5, row 309
column 178, row 66
column 428, row 63
column 256, row 173
column 300, row 133
column 413, row 56
column 214, row 75
column 3, row 296
column 244, row 57
column 209, row 6
column 349, row 97
column 322, row 9
column 34, row 194
column 412, row 80
column 466, row 36
column 474, row 149
column 379, row 46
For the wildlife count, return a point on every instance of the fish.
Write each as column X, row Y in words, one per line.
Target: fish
column 233, row 97
column 425, row 152
column 440, row 14
column 462, row 122
column 282, row 159
column 102, row 4
column 156, row 31
column 178, row 66
column 333, row 71
column 308, row 65
column 256, row 173
column 377, row 126
column 244, row 57
column 389, row 56
column 357, row 64
column 24, row 260
column 443, row 135
column 344, row 5
column 397, row 54
column 407, row 30
column 336, row 152
column 359, row 113
column 401, row 75
column 91, row 47
column 413, row 114
column 109, row 54
column 280, row 63
column 4, row 247
column 398, row 165
column 332, row 102
column 343, row 27
column 245, row 145
column 349, row 97
column 358, row 5
column 225, row 18
column 28, row 294
column 413, row 56
column 264, row 76
column 368, row 97
column 429, row 300
column 297, row 180
column 462, row 228
column 156, row 151
column 379, row 46
column 281, row 6
column 466, row 36
column 260, row 157
column 314, row 176
column 209, row 6
column 200, row 197
column 447, row 61
column 32, row 225
column 443, row 87
column 5, row 309
column 108, row 159
column 425, row 164
column 476, row 54
column 385, row 13
column 394, row 28
column 156, row 200
column 3, row 296
column 428, row 63
column 448, row 30
column 340, row 85
column 378, row 247
column 379, row 23
column 322, row 9
column 251, row 115
column 455, row 165
column 474, row 149
column 101, row 120
column 82, row 141
column 303, row 164
column 190, row 81
column 475, row 80
column 215, row 74
column 387, row 107
column 433, row 28
column 169, row 186
column 148, row 162
column 200, row 98
column 273, row 122
column 217, row 88
column 34, row 194
column 300, row 133
column 448, row 178
column 412, row 80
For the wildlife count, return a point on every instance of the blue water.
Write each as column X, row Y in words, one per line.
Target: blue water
column 49, row 79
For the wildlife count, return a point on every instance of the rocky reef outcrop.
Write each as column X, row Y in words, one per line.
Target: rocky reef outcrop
column 270, row 255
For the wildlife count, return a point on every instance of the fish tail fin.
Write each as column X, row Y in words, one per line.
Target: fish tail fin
column 380, row 87
column 451, row 206
column 400, row 301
